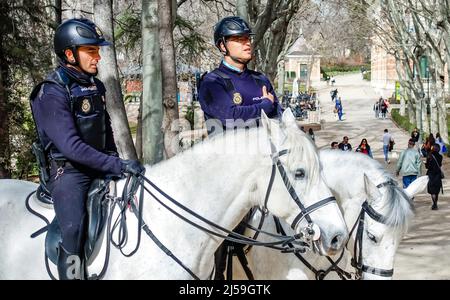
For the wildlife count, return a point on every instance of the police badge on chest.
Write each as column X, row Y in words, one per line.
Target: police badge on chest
column 86, row 105
column 237, row 98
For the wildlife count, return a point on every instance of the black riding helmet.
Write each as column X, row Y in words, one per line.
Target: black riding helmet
column 77, row 32
column 230, row 26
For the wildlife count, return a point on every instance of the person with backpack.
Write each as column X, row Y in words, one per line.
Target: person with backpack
column 232, row 95
column 74, row 130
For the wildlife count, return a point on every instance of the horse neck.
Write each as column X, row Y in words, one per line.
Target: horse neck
column 215, row 186
column 349, row 196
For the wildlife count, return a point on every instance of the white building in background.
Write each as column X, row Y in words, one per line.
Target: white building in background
column 302, row 63
column 383, row 70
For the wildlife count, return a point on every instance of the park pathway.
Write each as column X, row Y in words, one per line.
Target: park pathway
column 424, row 252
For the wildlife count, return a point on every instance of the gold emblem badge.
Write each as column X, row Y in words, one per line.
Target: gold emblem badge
column 237, row 98
column 85, row 106
column 99, row 32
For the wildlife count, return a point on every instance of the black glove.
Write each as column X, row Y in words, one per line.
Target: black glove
column 132, row 166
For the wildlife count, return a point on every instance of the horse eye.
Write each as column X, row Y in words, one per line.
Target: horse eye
column 372, row 237
column 299, row 174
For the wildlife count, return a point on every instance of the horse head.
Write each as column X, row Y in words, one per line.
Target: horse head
column 298, row 180
column 386, row 214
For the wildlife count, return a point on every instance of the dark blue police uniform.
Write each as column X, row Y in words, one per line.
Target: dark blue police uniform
column 240, row 100
column 75, row 129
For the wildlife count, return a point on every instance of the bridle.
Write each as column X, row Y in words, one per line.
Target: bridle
column 304, row 211
column 357, row 261
column 309, row 230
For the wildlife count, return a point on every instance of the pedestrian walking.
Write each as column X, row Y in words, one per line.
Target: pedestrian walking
column 387, row 140
column 435, row 174
column 415, row 135
column 384, row 108
column 376, row 109
column 441, row 144
column 333, row 94
column 409, row 164
column 338, row 108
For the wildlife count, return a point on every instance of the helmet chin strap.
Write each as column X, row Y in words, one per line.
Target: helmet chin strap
column 239, row 60
column 234, row 58
column 76, row 63
column 75, row 56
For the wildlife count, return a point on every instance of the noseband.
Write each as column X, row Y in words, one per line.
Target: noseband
column 357, row 261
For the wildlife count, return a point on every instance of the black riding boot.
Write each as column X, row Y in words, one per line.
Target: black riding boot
column 69, row 265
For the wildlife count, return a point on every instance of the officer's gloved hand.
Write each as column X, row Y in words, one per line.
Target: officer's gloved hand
column 132, row 166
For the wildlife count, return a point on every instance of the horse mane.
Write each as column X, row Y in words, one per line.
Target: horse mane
column 397, row 208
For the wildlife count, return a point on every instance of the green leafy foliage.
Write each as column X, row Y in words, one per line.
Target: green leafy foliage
column 191, row 44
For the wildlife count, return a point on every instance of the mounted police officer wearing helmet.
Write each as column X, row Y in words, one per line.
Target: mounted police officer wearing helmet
column 232, row 95
column 75, row 132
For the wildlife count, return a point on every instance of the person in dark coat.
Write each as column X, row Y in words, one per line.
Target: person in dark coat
column 433, row 164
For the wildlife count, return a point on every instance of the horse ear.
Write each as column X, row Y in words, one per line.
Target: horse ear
column 288, row 118
column 417, row 186
column 372, row 191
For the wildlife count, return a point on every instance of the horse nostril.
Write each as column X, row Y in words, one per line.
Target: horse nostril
column 336, row 242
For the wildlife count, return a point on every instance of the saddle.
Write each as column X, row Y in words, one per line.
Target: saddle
column 97, row 215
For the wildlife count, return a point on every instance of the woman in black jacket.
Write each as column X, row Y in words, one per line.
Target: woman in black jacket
column 433, row 164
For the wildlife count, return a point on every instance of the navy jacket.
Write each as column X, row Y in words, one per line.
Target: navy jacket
column 56, row 124
column 217, row 101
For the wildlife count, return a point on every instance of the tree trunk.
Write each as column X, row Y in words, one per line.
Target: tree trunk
column 58, row 11
column 139, row 131
column 411, row 114
column 281, row 71
column 4, row 123
column 241, row 9
column 152, row 108
column 310, row 67
column 4, row 118
column 434, row 122
column 169, row 78
column 108, row 73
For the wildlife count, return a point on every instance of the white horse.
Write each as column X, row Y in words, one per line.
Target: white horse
column 353, row 178
column 220, row 179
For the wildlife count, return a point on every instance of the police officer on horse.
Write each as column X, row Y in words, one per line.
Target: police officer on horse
column 232, row 91
column 232, row 95
column 75, row 131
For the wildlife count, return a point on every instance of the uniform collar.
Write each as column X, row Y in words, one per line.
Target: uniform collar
column 75, row 75
column 231, row 67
